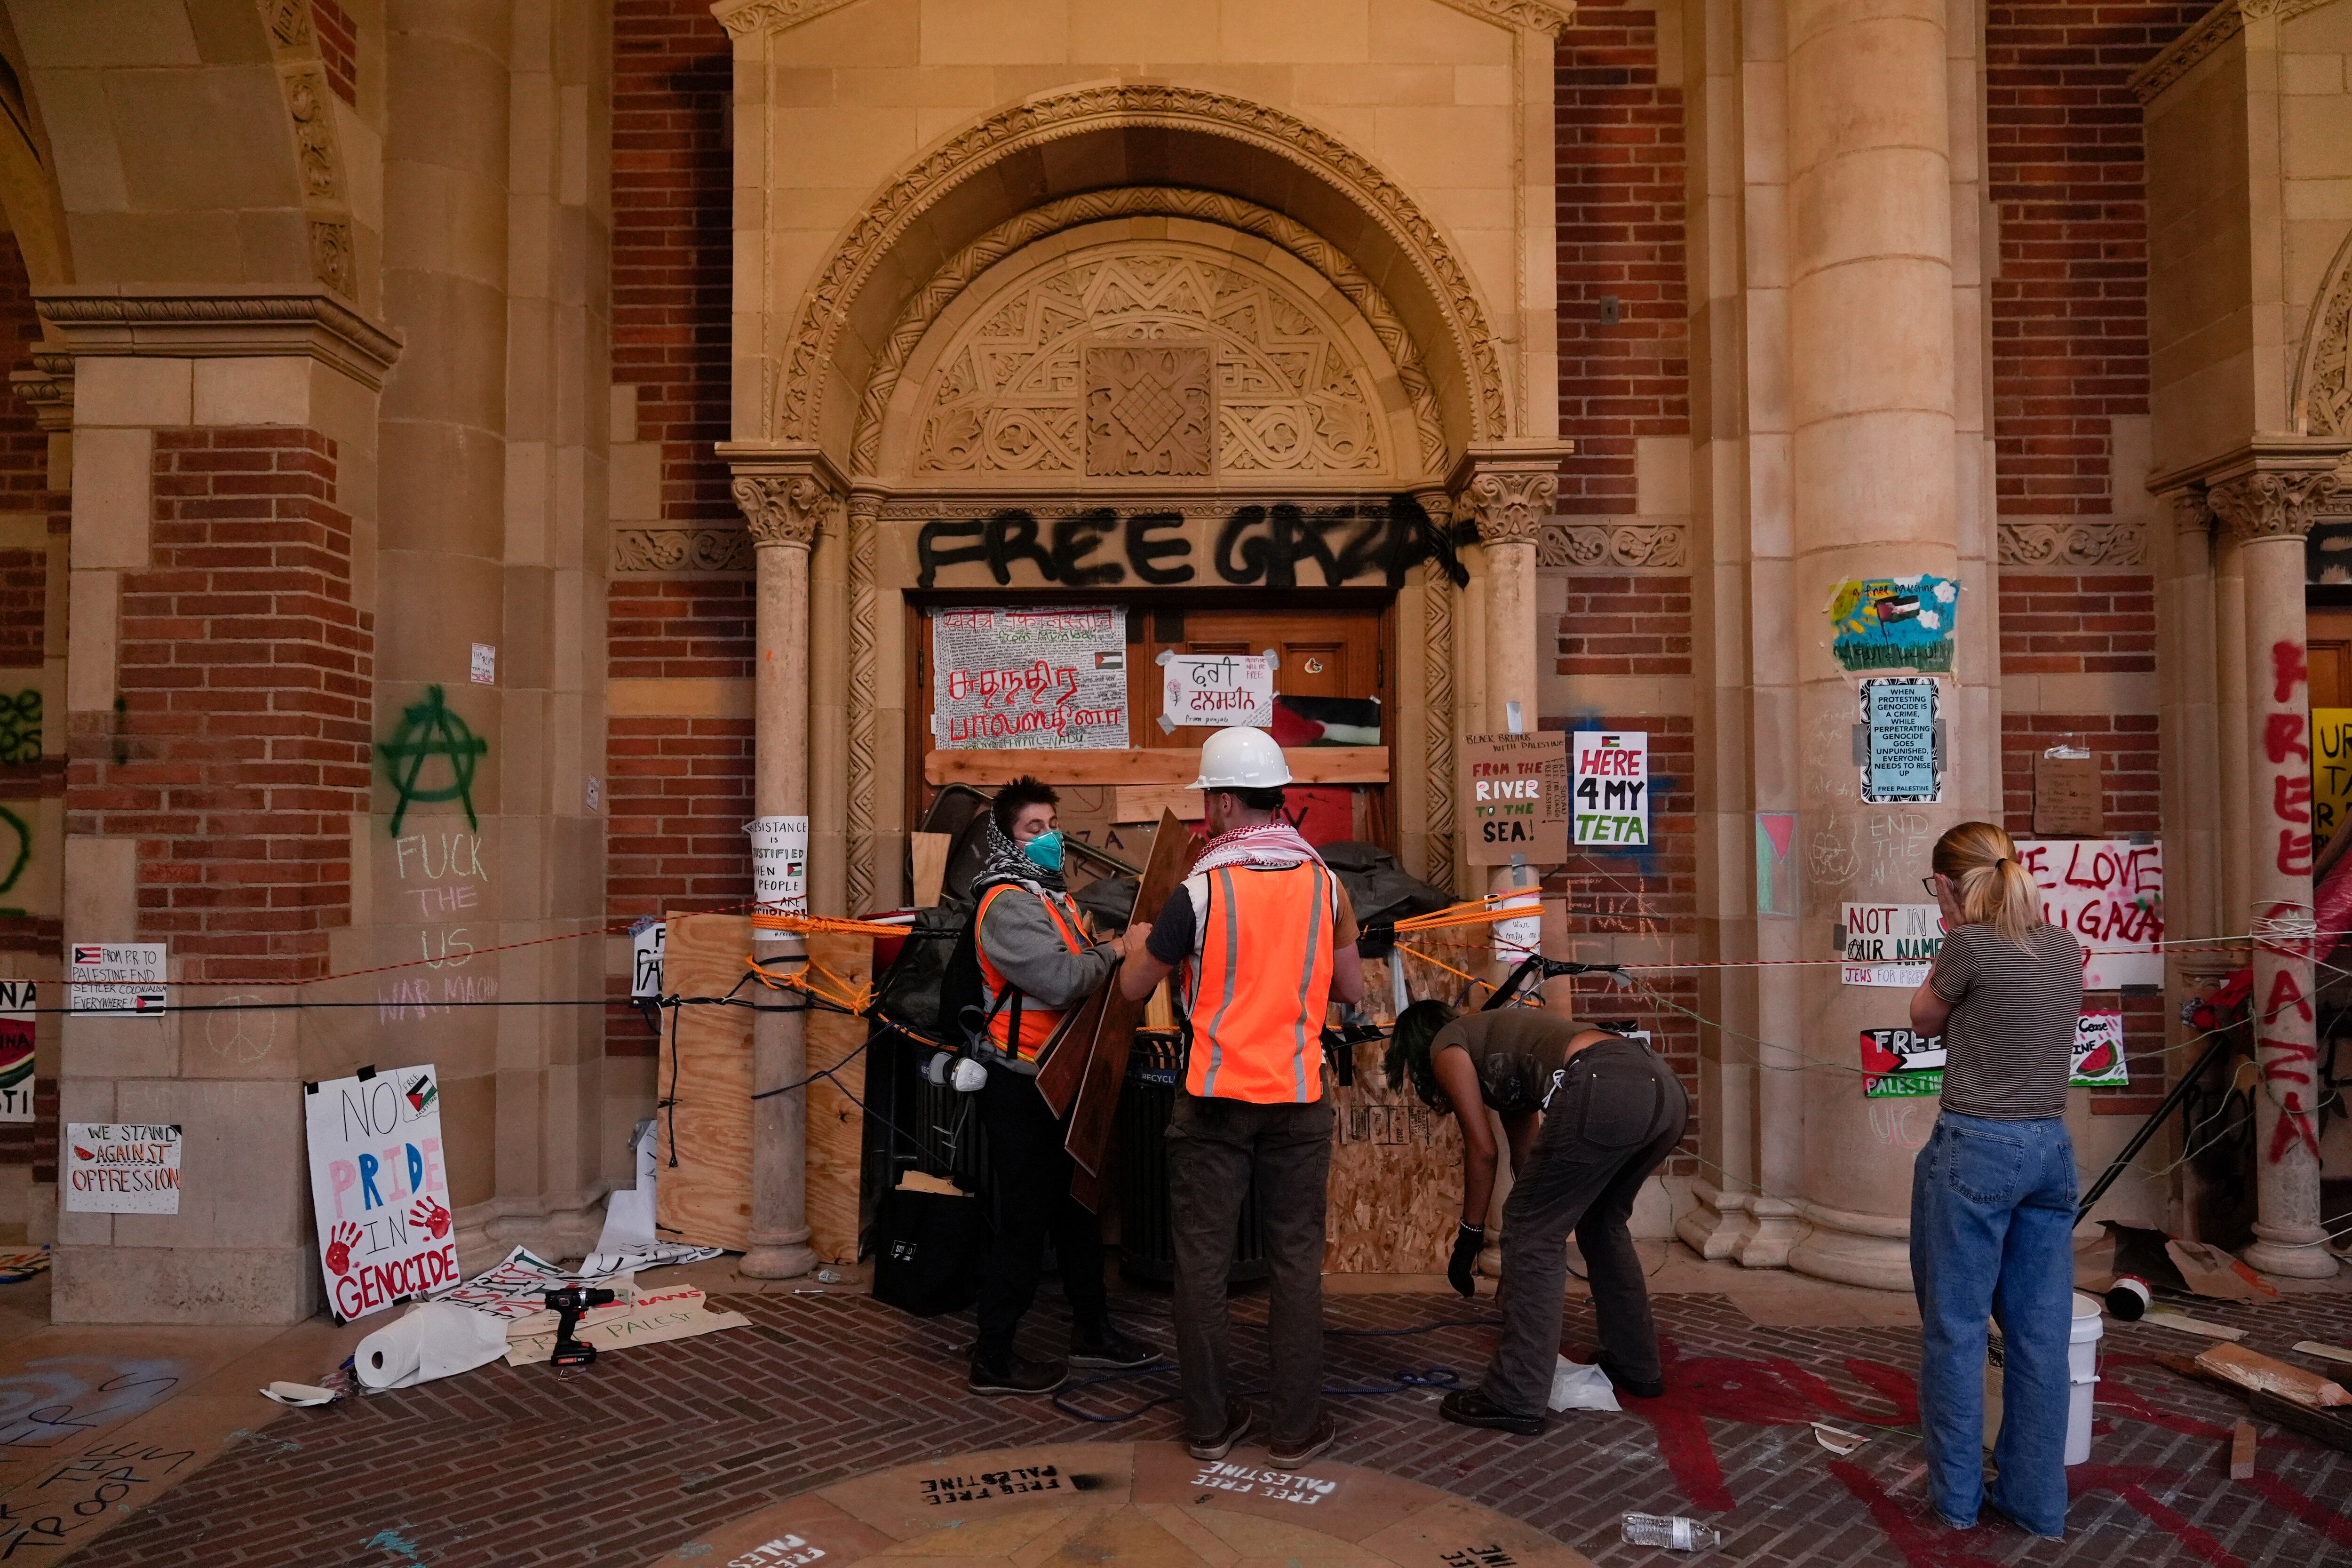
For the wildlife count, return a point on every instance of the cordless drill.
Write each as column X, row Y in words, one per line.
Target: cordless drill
column 567, row 1304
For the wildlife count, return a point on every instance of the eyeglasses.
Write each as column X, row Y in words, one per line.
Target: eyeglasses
column 1929, row 883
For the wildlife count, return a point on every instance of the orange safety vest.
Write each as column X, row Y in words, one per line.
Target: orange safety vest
column 1036, row 1023
column 1261, row 986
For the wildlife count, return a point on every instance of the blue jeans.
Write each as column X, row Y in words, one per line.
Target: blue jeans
column 1992, row 1224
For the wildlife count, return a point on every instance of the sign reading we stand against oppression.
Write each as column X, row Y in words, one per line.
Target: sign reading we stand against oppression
column 380, row 1189
column 1514, row 798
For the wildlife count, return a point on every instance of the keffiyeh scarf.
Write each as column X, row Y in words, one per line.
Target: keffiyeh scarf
column 1271, row 845
column 1006, row 861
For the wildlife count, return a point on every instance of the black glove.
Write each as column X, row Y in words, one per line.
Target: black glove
column 1461, row 1267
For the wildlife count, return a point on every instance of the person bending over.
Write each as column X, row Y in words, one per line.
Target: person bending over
column 1035, row 962
column 1611, row 1112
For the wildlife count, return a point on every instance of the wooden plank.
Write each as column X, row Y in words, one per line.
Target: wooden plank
column 2241, row 1451
column 1149, row 803
column 930, row 852
column 835, row 1152
column 1140, row 766
column 1061, row 1061
column 1091, row 1119
column 705, row 1196
column 2332, row 1427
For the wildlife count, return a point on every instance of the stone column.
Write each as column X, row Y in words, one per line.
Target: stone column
column 2269, row 510
column 786, row 504
column 1873, row 492
column 1507, row 491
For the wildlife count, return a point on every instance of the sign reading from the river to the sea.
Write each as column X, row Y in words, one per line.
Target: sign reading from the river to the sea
column 1514, row 796
column 1042, row 678
column 1894, row 622
column 1611, row 786
column 1900, row 758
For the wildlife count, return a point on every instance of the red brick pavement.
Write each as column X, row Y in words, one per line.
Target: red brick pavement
column 509, row 1467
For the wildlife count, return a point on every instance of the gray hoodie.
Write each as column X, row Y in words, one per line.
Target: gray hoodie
column 1020, row 939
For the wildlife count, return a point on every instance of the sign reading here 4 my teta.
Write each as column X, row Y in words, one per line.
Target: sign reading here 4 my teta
column 379, row 1189
column 1611, row 786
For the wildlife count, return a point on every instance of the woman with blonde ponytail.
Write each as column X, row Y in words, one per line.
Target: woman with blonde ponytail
column 1992, row 1193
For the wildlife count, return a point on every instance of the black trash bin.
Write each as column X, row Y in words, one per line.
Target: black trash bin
column 1147, row 1248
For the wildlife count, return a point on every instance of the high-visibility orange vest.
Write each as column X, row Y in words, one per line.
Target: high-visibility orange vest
column 1036, row 1023
column 1261, row 984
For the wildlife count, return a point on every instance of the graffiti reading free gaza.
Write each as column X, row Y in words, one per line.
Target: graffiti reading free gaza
column 430, row 733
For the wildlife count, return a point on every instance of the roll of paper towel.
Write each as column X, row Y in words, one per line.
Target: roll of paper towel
column 437, row 1339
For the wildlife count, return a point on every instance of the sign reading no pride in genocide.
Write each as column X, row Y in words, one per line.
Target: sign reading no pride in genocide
column 378, row 1184
column 1514, row 798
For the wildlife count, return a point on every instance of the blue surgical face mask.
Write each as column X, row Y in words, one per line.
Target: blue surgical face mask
column 1046, row 849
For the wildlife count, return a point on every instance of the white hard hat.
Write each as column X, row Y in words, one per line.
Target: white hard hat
column 1241, row 757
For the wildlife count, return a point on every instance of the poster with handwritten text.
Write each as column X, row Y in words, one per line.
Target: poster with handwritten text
column 16, row 1002
column 1040, row 678
column 2110, row 893
column 380, row 1188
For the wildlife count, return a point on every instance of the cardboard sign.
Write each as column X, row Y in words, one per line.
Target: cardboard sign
column 16, row 1002
column 2066, row 797
column 2110, row 893
column 379, row 1189
column 1901, row 759
column 1898, row 1064
column 647, row 941
column 780, row 864
column 1889, row 944
column 1611, row 786
column 1514, row 798
column 118, row 1168
column 1894, row 622
column 116, row 976
column 2098, row 1051
column 1520, row 938
column 1051, row 680
column 1217, row 689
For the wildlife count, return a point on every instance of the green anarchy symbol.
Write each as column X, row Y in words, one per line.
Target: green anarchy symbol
column 428, row 730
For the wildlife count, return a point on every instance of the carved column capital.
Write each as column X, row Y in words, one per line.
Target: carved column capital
column 2191, row 512
column 2272, row 503
column 787, row 509
column 47, row 389
column 1508, row 492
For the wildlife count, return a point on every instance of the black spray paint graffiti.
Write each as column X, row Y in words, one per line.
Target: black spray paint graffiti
column 59, row 1399
column 83, row 1491
column 428, row 730
column 1256, row 545
column 20, row 727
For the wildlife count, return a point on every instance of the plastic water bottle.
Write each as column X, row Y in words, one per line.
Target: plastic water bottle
column 1673, row 1534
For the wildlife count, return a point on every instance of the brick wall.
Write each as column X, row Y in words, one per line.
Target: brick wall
column 339, row 48
column 1626, row 626
column 1619, row 167
column 2070, row 304
column 241, row 745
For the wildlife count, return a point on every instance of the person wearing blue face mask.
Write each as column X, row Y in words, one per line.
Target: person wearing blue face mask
column 1035, row 962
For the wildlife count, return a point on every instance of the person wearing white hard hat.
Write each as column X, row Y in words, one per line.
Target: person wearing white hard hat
column 1266, row 938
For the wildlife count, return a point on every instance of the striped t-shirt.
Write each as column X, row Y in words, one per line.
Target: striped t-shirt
column 2011, row 1038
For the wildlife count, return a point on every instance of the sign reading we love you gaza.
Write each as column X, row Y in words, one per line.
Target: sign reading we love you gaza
column 380, row 1188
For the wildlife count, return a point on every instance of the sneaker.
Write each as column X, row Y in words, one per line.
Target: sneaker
column 1237, row 1421
column 1471, row 1407
column 1653, row 1388
column 1012, row 1374
column 1107, row 1347
column 1326, row 1433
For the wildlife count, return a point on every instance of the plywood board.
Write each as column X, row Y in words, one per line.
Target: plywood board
column 1142, row 766
column 1144, row 802
column 705, row 1197
column 1172, row 850
column 1396, row 1177
column 836, row 1125
column 930, row 853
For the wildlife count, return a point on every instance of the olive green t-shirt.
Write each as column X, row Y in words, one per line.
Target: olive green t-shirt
column 1515, row 1050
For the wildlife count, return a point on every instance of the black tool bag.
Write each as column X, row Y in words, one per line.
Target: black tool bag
column 926, row 1251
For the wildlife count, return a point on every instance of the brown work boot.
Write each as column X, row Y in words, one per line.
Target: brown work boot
column 1237, row 1421
column 1326, row 1433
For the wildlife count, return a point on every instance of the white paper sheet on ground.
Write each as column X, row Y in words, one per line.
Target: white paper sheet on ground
column 2182, row 1323
column 1836, row 1439
column 298, row 1394
column 435, row 1340
column 657, row 1317
column 2325, row 1351
column 1581, row 1387
column 628, row 1241
column 652, row 1254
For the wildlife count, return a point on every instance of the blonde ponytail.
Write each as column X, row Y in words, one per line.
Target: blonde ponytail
column 1994, row 889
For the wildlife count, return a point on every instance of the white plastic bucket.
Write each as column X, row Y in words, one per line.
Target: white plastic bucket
column 2082, row 1375
column 2081, row 1378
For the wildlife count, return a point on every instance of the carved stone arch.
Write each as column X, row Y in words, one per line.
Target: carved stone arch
column 2323, row 376
column 1100, row 215
column 1066, row 143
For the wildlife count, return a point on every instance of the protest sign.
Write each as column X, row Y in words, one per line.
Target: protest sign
column 1029, row 679
column 1902, row 757
column 2331, row 772
column 121, row 1168
column 116, row 976
column 515, row 1287
column 2110, row 893
column 2066, row 798
column 1776, row 868
column 1611, row 786
column 379, row 1189
column 2099, row 1051
column 1894, row 622
column 1217, row 689
column 1514, row 798
column 780, row 864
column 648, row 940
column 654, row 1317
column 1889, row 944
column 17, row 1002
column 1898, row 1064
